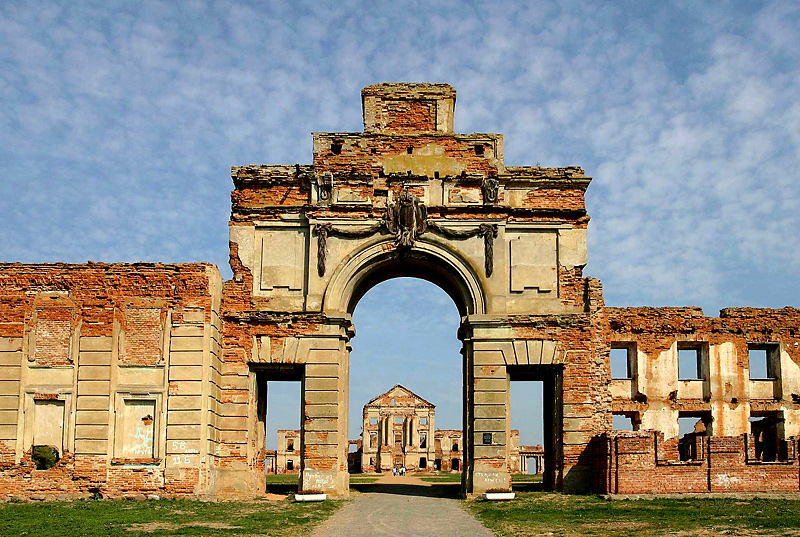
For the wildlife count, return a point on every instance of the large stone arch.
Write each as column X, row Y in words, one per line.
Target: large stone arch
column 378, row 261
column 408, row 197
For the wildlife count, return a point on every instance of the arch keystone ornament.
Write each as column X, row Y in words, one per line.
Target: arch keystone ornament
column 406, row 219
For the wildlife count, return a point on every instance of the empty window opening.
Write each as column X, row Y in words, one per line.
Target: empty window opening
column 437, row 464
column 690, row 362
column 455, row 446
column 766, row 430
column 410, row 150
column 290, row 445
column 394, row 401
column 423, row 421
column 623, row 422
column 455, row 465
column 373, row 421
column 398, row 420
column 763, row 361
column 423, row 463
column 353, row 447
column 479, row 150
column 372, row 461
column 423, row 441
column 373, row 440
column 44, row 457
column 336, row 147
column 435, row 175
column 693, row 428
column 622, row 361
column 289, row 465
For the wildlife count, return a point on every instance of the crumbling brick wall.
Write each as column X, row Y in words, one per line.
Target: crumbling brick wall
column 82, row 345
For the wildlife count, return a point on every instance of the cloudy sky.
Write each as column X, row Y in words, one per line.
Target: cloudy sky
column 119, row 123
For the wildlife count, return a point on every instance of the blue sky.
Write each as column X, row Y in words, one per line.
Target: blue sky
column 119, row 123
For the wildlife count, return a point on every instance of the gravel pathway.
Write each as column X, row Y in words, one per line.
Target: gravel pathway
column 402, row 506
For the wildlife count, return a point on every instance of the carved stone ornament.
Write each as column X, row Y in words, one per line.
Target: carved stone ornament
column 323, row 231
column 490, row 187
column 406, row 219
column 325, row 186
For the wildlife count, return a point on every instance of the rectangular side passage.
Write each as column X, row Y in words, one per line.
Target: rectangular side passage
column 551, row 377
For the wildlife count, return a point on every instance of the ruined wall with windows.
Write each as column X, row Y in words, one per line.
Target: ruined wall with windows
column 152, row 379
column 105, row 379
column 713, row 402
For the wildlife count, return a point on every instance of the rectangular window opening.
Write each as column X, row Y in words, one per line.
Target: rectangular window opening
column 622, row 360
column 690, row 362
column 763, row 361
column 693, row 427
column 766, row 429
column 624, row 422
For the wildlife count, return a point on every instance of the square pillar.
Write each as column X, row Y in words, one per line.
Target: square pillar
column 488, row 427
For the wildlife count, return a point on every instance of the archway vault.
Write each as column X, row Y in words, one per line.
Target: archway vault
column 378, row 261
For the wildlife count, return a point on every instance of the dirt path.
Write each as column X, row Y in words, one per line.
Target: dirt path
column 402, row 506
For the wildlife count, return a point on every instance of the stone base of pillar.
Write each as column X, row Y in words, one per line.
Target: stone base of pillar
column 490, row 476
column 334, row 483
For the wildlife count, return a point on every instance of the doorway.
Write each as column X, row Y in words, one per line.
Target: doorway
column 550, row 379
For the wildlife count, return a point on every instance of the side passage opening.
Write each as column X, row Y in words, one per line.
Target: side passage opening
column 275, row 417
column 536, row 411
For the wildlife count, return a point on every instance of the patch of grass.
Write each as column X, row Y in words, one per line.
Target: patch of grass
column 538, row 513
column 161, row 517
column 361, row 480
column 442, row 477
column 281, row 479
column 526, row 478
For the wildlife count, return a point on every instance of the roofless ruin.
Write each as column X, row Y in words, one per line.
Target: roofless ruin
column 141, row 379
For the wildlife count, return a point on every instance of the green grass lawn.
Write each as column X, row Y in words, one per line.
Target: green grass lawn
column 539, row 513
column 361, row 480
column 441, row 477
column 162, row 517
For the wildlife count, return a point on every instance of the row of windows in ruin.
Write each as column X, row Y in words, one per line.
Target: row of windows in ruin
column 766, row 430
column 763, row 360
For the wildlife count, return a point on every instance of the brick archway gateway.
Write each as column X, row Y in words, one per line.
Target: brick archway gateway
column 147, row 378
column 408, row 197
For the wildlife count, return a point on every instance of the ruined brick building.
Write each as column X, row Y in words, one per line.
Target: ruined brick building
column 139, row 379
column 286, row 458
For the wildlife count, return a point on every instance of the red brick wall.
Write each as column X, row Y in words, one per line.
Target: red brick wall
column 643, row 463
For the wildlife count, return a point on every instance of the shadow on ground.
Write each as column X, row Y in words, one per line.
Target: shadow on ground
column 435, row 490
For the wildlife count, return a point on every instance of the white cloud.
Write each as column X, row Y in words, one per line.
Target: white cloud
column 118, row 127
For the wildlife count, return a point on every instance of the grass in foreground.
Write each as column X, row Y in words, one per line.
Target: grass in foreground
column 162, row 517
column 538, row 513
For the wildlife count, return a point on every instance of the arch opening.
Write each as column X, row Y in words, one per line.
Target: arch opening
column 406, row 336
column 379, row 261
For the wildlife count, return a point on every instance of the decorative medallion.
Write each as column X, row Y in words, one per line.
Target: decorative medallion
column 406, row 219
